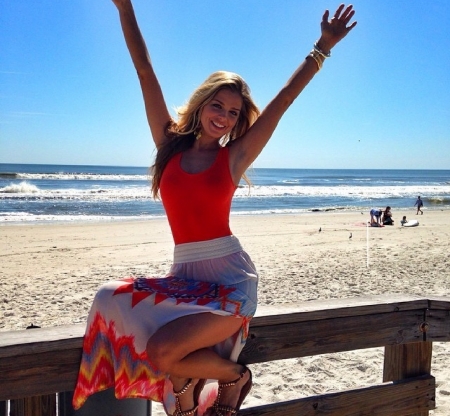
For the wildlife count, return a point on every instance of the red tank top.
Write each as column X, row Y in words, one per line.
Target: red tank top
column 198, row 205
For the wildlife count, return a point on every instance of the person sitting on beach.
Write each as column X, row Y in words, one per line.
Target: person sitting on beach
column 404, row 220
column 387, row 217
column 419, row 204
column 375, row 217
column 160, row 338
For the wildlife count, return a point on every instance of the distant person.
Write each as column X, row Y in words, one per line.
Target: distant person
column 404, row 220
column 375, row 217
column 387, row 217
column 419, row 204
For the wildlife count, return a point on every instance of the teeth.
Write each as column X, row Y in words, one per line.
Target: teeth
column 220, row 126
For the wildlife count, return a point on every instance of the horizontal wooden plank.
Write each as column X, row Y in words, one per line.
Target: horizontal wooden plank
column 438, row 302
column 39, row 374
column 46, row 360
column 396, row 398
column 275, row 342
column 33, row 341
column 333, row 308
column 437, row 325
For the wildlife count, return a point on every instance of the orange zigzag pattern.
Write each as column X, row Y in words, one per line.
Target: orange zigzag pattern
column 110, row 361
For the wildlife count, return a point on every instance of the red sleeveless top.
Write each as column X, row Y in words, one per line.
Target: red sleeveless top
column 198, row 204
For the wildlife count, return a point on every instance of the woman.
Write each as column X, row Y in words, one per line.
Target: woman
column 387, row 217
column 161, row 338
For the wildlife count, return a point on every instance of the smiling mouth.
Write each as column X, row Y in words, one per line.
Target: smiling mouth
column 217, row 125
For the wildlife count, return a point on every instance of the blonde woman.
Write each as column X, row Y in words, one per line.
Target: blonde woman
column 162, row 338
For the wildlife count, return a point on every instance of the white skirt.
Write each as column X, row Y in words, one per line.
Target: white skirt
column 214, row 276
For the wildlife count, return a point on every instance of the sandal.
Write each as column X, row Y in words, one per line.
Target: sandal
column 197, row 390
column 223, row 410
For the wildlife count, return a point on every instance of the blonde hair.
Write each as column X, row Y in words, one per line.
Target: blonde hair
column 181, row 134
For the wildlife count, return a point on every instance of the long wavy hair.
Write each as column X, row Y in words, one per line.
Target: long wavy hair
column 181, row 134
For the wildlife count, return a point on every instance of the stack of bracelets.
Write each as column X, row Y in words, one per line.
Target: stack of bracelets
column 319, row 56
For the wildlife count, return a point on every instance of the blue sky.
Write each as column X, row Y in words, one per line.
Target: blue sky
column 69, row 93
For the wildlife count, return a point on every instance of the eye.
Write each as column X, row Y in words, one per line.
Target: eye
column 234, row 113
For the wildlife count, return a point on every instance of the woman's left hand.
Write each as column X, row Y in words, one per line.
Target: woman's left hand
column 337, row 28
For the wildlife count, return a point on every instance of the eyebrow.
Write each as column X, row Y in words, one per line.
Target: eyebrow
column 221, row 102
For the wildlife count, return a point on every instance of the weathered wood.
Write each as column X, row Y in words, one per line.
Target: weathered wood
column 34, row 406
column 45, row 373
column 336, row 308
column 45, row 361
column 390, row 399
column 438, row 302
column 437, row 325
column 52, row 364
column 274, row 342
column 407, row 360
column 25, row 342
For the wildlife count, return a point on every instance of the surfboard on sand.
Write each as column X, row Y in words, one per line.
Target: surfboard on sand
column 411, row 223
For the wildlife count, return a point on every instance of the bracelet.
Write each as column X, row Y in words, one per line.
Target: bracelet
column 321, row 52
column 318, row 58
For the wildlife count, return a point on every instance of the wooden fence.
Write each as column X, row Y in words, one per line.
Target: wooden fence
column 36, row 364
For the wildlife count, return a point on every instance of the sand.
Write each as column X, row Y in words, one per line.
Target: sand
column 49, row 274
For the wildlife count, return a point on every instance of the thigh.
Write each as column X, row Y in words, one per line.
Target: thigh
column 193, row 332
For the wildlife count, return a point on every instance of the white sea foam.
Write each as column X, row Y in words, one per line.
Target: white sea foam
column 63, row 176
column 25, row 217
column 20, row 188
column 371, row 192
column 142, row 192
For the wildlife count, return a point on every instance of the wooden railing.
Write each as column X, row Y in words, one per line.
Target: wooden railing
column 39, row 362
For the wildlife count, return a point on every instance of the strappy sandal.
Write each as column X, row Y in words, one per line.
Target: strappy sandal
column 223, row 410
column 197, row 390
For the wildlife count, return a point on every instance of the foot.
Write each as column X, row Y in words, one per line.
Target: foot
column 187, row 392
column 231, row 395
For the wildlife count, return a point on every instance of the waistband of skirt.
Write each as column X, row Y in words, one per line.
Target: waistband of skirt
column 206, row 250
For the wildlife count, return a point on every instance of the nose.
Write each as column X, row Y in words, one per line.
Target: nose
column 222, row 113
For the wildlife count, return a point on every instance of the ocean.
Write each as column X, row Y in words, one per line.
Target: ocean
column 47, row 193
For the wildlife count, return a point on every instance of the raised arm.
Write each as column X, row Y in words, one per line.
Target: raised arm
column 246, row 148
column 155, row 106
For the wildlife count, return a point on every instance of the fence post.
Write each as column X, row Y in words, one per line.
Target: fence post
column 34, row 406
column 407, row 360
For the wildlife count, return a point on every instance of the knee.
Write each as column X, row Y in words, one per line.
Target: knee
column 160, row 354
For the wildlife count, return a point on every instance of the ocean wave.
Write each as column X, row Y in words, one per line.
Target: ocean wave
column 25, row 217
column 66, row 176
column 437, row 200
column 343, row 191
column 8, row 175
column 27, row 191
column 20, row 188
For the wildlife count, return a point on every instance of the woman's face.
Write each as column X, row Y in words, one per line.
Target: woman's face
column 221, row 114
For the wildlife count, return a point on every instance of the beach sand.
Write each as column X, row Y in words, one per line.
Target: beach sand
column 50, row 273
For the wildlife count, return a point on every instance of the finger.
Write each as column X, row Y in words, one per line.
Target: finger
column 325, row 16
column 352, row 26
column 338, row 11
column 349, row 17
column 347, row 11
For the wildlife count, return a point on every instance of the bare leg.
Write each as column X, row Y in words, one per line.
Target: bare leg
column 180, row 348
